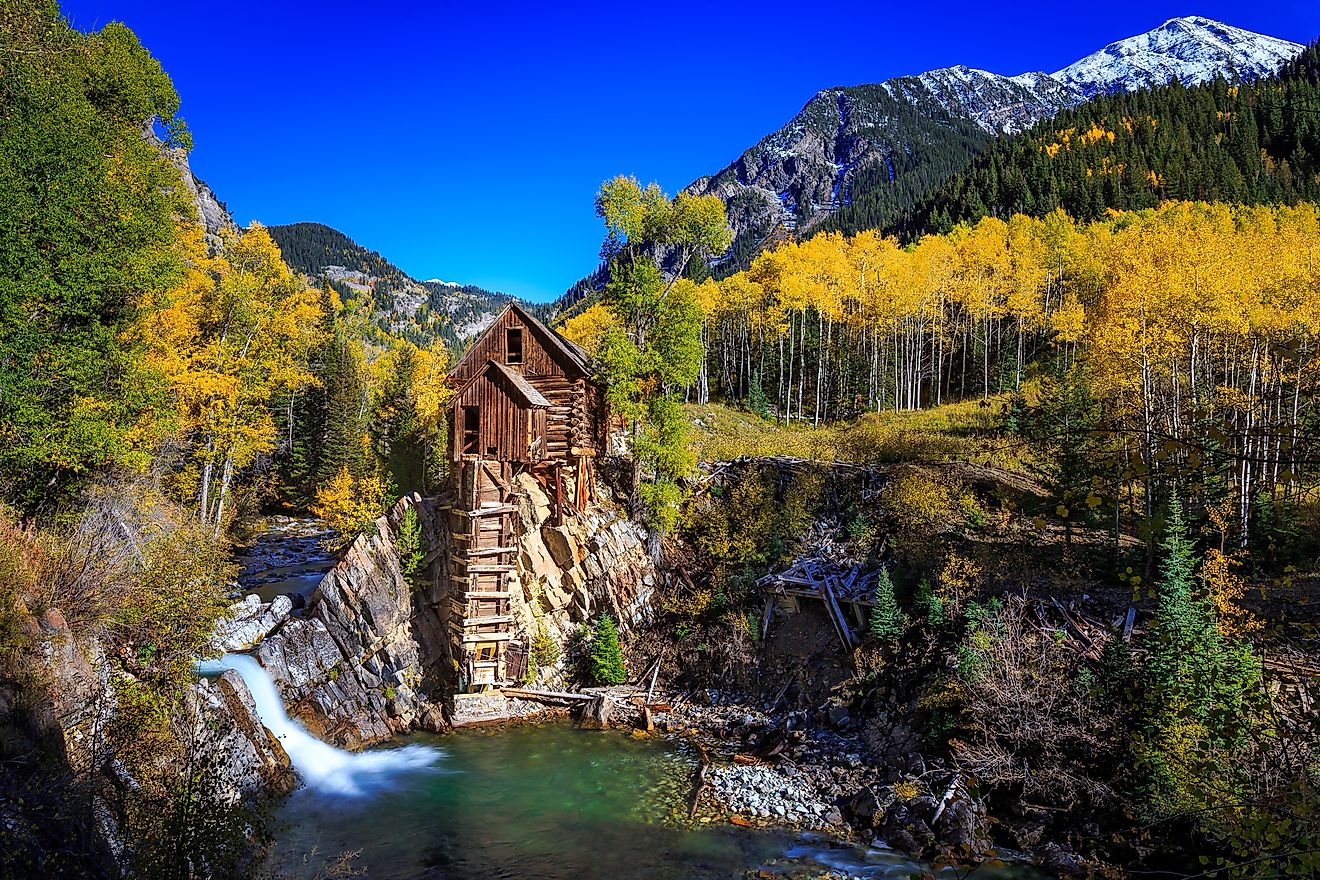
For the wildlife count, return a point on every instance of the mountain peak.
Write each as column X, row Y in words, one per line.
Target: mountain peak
column 1191, row 49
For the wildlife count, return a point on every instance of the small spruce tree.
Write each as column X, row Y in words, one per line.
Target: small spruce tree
column 606, row 655
column 886, row 623
column 756, row 399
column 1202, row 691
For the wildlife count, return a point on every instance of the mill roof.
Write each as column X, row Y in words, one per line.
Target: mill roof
column 568, row 353
column 524, row 389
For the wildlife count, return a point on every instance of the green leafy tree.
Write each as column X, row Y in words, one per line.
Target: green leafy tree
column 886, row 623
column 606, row 660
column 88, row 219
column 655, row 349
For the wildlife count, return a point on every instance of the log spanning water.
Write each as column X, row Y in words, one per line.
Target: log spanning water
column 323, row 767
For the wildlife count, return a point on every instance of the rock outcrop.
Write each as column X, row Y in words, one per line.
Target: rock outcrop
column 594, row 561
column 349, row 666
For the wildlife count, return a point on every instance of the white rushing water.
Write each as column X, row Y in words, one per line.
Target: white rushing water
column 322, row 766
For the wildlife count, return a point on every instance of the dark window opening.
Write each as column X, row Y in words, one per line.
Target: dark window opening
column 513, row 349
column 471, row 430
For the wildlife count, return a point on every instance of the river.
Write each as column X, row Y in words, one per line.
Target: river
column 548, row 801
column 535, row 801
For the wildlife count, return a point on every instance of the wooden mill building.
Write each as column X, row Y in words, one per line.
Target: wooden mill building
column 525, row 401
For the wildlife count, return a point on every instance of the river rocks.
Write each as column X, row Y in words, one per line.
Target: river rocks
column 1058, row 861
column 245, row 760
column 869, row 806
column 249, row 622
column 960, row 822
column 905, row 828
column 773, row 794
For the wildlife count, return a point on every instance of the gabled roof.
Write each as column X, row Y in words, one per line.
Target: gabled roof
column 573, row 352
column 570, row 355
column 522, row 388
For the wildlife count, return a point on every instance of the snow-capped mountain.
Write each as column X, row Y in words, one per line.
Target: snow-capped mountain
column 915, row 132
column 1191, row 49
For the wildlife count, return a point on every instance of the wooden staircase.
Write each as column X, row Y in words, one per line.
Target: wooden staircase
column 481, row 560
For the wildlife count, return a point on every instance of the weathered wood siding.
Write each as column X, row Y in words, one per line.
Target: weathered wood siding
column 507, row 430
column 537, row 360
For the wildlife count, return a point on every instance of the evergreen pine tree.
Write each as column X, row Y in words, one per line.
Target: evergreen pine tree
column 756, row 400
column 886, row 624
column 606, row 655
column 1202, row 689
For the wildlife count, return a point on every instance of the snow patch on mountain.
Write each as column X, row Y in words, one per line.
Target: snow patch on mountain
column 1192, row 49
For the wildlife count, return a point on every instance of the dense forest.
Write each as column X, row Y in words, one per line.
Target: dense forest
column 1252, row 143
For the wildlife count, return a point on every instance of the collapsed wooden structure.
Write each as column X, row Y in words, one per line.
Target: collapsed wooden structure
column 846, row 593
column 525, row 402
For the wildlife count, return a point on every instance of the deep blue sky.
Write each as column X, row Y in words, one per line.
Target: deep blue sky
column 467, row 141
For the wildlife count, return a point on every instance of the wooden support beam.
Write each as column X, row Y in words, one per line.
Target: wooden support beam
column 473, row 638
column 496, row 510
column 483, row 621
column 491, row 551
column 561, row 696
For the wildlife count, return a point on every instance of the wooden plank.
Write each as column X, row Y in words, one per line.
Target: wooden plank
column 483, row 621
column 491, row 551
column 531, row 694
column 497, row 510
column 473, row 638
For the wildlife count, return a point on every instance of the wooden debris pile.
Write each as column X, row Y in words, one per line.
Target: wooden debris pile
column 846, row 592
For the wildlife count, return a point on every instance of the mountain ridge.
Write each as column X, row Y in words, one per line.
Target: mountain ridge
column 417, row 310
column 893, row 143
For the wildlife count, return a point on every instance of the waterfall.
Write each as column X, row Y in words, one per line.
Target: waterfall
column 322, row 766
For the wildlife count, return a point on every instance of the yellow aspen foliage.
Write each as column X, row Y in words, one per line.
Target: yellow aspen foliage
column 348, row 506
column 588, row 329
column 1226, row 590
column 959, row 581
column 232, row 335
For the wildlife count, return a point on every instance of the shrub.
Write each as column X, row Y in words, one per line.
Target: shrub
column 606, row 660
column 23, row 564
column 545, row 650
column 409, row 543
column 1026, row 721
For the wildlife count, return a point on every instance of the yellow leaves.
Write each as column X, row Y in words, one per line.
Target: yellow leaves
column 1095, row 134
column 348, row 505
column 1226, row 590
column 959, row 581
column 589, row 328
column 235, row 332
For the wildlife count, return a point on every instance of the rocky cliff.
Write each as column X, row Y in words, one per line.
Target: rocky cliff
column 568, row 570
column 349, row 665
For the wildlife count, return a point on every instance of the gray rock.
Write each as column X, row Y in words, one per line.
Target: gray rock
column 597, row 714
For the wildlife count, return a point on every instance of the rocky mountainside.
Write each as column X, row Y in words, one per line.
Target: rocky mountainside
column 893, row 143
column 421, row 310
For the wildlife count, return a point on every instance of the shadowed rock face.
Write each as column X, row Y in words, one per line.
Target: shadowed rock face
column 350, row 667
